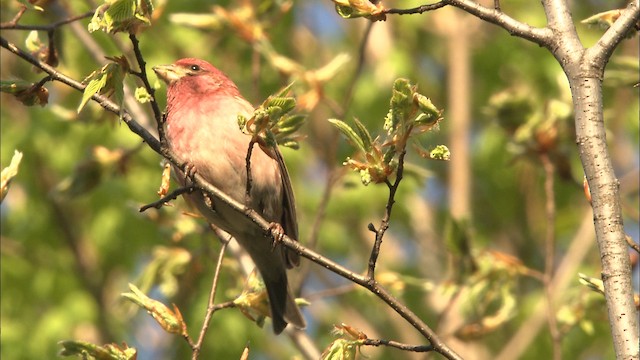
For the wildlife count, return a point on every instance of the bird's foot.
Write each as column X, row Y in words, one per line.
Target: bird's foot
column 189, row 171
column 277, row 233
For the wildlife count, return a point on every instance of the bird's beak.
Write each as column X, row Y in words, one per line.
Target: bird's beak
column 169, row 73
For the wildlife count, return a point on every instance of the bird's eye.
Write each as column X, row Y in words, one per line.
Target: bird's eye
column 195, row 67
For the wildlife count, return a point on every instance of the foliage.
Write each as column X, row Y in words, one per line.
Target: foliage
column 73, row 239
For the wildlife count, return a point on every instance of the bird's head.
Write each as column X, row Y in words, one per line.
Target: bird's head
column 191, row 75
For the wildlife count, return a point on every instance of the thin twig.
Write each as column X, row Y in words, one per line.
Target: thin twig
column 360, row 66
column 167, row 198
column 145, row 80
column 398, row 345
column 17, row 17
column 384, row 224
column 634, row 245
column 248, row 169
column 211, row 306
column 550, row 244
column 416, row 10
column 13, row 24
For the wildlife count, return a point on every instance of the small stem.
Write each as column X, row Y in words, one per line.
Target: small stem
column 398, row 345
column 248, row 168
column 171, row 196
column 550, row 243
column 211, row 308
column 13, row 24
column 145, row 80
column 416, row 10
column 384, row 224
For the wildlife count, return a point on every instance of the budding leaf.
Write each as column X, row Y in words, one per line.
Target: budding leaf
column 9, row 173
column 171, row 321
column 441, row 152
column 142, row 95
column 351, row 135
column 108, row 80
column 122, row 16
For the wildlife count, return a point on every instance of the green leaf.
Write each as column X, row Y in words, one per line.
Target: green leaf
column 363, row 134
column 93, row 87
column 122, row 16
column 290, row 124
column 431, row 112
column 349, row 133
column 285, row 103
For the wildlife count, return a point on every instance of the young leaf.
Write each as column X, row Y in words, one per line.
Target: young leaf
column 363, row 133
column 349, row 133
column 93, row 87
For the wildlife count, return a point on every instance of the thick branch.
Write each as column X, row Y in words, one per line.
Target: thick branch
column 600, row 53
column 497, row 17
column 607, row 212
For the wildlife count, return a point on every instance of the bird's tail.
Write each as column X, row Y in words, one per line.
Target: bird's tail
column 283, row 306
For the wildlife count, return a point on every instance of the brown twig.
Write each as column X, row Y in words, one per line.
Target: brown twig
column 167, row 198
column 13, row 24
column 550, row 244
column 416, row 10
column 384, row 223
column 634, row 245
column 211, row 306
column 248, row 169
column 142, row 74
column 398, row 345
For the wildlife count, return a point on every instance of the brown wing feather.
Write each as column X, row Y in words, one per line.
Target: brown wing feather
column 289, row 219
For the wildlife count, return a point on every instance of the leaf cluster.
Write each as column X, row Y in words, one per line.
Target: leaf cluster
column 272, row 124
column 410, row 113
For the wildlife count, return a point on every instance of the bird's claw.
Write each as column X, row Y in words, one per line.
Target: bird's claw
column 189, row 171
column 277, row 233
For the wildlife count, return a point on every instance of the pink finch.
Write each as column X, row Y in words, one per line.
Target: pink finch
column 202, row 130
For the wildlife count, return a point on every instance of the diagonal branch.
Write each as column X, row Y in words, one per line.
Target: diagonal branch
column 104, row 101
column 251, row 214
column 13, row 25
column 539, row 36
column 600, row 53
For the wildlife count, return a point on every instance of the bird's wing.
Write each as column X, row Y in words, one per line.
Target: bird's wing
column 289, row 218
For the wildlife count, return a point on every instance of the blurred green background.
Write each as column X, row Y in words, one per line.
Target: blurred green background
column 466, row 246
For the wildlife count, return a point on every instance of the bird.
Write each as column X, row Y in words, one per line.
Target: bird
column 202, row 130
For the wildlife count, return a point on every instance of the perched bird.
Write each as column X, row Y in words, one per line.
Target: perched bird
column 202, row 130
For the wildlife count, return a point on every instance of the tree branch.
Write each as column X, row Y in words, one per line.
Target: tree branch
column 209, row 189
column 539, row 36
column 13, row 25
column 384, row 224
column 601, row 51
column 103, row 101
column 211, row 306
column 416, row 10
column 398, row 345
